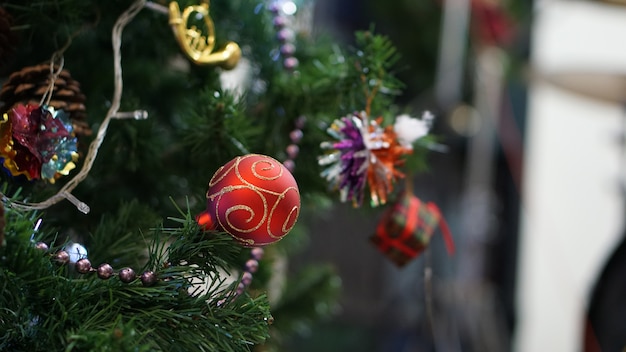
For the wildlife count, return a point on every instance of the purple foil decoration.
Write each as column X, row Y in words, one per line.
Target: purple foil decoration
column 348, row 164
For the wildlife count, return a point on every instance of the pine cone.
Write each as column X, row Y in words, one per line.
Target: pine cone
column 28, row 85
column 8, row 39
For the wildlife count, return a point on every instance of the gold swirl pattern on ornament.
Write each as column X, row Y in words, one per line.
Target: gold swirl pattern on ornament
column 267, row 168
column 284, row 227
column 220, row 174
column 243, row 207
column 248, row 209
column 262, row 178
column 295, row 209
column 260, row 191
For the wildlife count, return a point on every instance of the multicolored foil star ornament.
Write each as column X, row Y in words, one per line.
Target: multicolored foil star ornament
column 366, row 153
column 37, row 142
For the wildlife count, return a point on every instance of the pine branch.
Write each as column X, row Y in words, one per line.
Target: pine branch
column 44, row 305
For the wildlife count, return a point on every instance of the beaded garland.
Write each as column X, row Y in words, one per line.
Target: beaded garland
column 283, row 12
column 293, row 149
column 148, row 278
column 250, row 267
column 104, row 271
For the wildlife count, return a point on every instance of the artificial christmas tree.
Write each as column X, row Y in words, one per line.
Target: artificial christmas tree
column 148, row 273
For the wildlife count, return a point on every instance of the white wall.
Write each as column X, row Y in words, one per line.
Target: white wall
column 572, row 210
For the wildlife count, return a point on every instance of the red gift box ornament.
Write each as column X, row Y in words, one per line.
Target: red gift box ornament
column 406, row 228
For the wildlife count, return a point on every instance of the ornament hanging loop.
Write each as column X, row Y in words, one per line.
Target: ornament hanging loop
column 195, row 43
column 55, row 71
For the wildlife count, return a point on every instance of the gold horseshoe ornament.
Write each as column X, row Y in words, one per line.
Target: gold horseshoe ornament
column 194, row 43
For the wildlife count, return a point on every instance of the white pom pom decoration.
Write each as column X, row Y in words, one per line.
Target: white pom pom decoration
column 409, row 129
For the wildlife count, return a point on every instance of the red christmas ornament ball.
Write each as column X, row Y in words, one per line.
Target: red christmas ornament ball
column 254, row 198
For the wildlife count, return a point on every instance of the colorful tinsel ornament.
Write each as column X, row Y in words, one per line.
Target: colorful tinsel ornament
column 37, row 142
column 365, row 153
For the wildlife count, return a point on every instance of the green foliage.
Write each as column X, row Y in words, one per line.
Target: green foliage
column 215, row 129
column 51, row 307
column 414, row 27
column 376, row 57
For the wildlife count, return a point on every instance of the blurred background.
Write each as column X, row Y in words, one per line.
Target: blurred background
column 529, row 99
